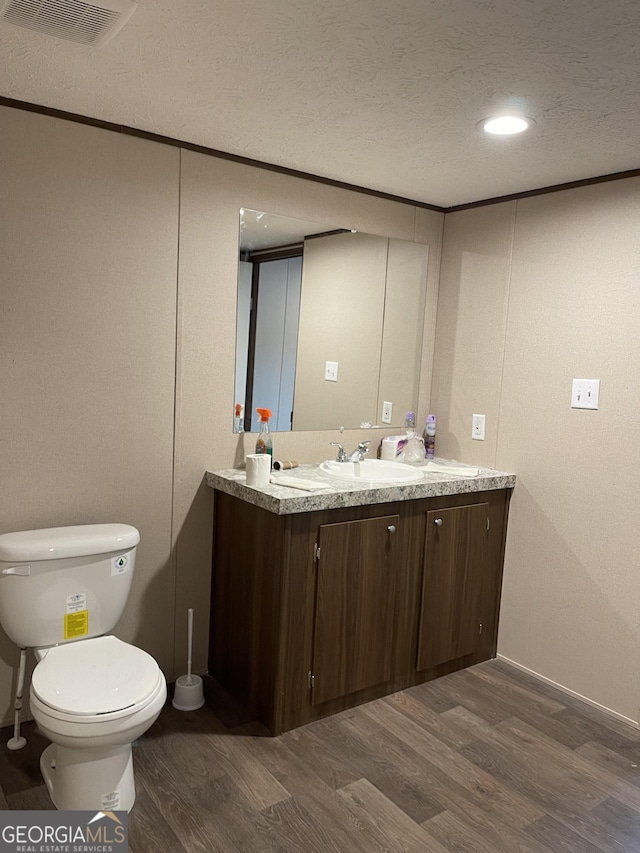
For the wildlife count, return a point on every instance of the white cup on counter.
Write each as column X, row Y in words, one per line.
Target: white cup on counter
column 258, row 469
column 389, row 450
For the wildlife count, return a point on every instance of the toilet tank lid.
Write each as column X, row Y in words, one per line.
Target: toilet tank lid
column 55, row 543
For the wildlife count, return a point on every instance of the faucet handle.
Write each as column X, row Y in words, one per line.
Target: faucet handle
column 342, row 455
column 363, row 449
column 359, row 453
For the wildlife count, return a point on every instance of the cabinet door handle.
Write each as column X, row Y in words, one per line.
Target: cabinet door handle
column 437, row 522
column 391, row 528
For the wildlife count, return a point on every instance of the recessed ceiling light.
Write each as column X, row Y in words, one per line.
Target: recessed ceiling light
column 506, row 125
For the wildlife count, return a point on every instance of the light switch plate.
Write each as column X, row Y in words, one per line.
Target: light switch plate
column 387, row 412
column 477, row 427
column 331, row 371
column 585, row 393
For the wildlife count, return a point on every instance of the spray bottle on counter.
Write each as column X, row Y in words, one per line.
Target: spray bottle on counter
column 238, row 418
column 430, row 437
column 264, row 443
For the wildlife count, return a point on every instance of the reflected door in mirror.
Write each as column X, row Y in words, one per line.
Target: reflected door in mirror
column 267, row 339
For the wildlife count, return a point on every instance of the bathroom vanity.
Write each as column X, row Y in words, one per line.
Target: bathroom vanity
column 324, row 600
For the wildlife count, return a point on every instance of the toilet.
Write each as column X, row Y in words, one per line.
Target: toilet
column 62, row 590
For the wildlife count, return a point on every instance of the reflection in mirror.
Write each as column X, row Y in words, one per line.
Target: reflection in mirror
column 329, row 324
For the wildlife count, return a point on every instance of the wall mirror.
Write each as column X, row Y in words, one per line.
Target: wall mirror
column 329, row 327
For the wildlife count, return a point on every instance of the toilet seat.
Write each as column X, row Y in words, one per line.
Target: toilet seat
column 96, row 680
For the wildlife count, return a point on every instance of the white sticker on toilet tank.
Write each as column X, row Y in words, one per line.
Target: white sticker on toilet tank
column 77, row 602
column 110, row 802
column 120, row 564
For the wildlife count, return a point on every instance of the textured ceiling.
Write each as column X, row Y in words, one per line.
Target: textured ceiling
column 380, row 94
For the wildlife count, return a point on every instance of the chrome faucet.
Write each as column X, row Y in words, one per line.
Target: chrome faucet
column 357, row 456
column 360, row 452
column 342, row 455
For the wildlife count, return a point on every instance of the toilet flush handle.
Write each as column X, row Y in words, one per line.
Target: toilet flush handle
column 17, row 570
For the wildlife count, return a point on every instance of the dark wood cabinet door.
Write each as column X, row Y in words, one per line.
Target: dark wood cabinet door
column 353, row 631
column 454, row 565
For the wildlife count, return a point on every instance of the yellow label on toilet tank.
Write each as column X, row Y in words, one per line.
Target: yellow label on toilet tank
column 76, row 624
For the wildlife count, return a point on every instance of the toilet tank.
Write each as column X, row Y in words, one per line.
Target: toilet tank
column 65, row 583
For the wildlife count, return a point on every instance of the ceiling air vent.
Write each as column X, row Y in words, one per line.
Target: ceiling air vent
column 84, row 23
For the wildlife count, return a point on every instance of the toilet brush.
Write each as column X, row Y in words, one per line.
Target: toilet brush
column 189, row 695
column 18, row 741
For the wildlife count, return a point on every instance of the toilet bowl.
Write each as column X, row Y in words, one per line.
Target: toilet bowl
column 62, row 591
column 92, row 699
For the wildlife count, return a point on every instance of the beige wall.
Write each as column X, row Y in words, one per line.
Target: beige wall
column 404, row 325
column 533, row 294
column 342, row 308
column 113, row 345
column 87, row 348
column 363, row 305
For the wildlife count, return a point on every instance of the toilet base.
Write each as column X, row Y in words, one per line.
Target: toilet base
column 89, row 779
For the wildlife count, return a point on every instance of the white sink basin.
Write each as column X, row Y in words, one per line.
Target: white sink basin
column 370, row 472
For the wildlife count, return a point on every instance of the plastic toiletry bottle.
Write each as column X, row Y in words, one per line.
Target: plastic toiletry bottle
column 238, row 417
column 409, row 428
column 414, row 448
column 264, row 444
column 430, row 437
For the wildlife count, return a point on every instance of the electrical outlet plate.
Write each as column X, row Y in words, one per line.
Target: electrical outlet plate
column 477, row 427
column 331, row 371
column 387, row 412
column 585, row 393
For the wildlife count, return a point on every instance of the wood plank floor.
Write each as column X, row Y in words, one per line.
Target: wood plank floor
column 486, row 760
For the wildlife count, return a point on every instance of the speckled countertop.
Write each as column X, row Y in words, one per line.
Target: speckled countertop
column 283, row 500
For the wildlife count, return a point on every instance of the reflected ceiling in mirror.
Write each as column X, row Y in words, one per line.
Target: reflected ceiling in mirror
column 329, row 324
column 259, row 230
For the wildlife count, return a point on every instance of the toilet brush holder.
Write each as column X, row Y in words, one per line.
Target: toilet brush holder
column 189, row 693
